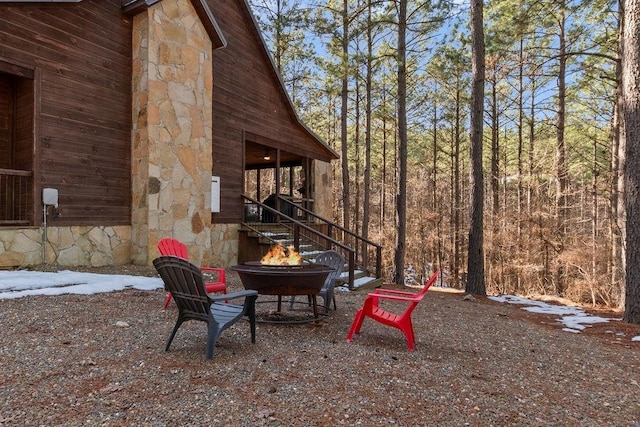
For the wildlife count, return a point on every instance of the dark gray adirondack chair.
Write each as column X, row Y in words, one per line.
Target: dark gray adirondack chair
column 185, row 282
column 335, row 261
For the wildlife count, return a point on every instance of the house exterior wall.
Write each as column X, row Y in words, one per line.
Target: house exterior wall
column 75, row 63
column 169, row 152
column 131, row 156
column 75, row 132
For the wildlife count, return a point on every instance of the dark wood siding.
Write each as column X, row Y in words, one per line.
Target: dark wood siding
column 82, row 54
column 6, row 120
column 247, row 98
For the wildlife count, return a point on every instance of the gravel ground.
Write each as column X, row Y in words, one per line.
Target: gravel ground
column 78, row 360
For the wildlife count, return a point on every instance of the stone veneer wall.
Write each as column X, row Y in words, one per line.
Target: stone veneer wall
column 66, row 246
column 172, row 131
column 224, row 244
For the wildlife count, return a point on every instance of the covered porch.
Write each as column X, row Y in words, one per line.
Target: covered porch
column 272, row 174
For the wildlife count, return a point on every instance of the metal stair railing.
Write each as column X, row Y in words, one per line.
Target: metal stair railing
column 364, row 248
column 336, row 235
column 302, row 232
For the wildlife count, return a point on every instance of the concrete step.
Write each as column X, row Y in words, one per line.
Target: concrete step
column 362, row 283
column 368, row 283
column 309, row 252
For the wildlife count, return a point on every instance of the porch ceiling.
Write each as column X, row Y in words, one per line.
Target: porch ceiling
column 254, row 157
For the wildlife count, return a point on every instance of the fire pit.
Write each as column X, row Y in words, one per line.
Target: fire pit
column 284, row 279
column 304, row 279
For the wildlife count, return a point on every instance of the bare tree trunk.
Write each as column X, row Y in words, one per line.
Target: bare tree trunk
column 594, row 222
column 532, row 175
column 383, row 186
column 278, row 35
column 367, row 140
column 520, row 142
column 344, row 110
column 561, row 161
column 436, row 207
column 617, row 220
column 475, row 259
column 456, row 203
column 493, row 254
column 357, row 160
column 495, row 152
column 631, row 120
column 530, row 151
column 401, row 196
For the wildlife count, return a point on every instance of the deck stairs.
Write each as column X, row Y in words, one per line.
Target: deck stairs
column 311, row 241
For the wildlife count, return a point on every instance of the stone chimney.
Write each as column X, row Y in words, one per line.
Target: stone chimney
column 172, row 88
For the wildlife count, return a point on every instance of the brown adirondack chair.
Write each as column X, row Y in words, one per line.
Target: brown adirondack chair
column 175, row 247
column 186, row 282
column 371, row 308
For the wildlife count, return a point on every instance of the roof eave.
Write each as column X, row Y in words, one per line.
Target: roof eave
column 133, row 7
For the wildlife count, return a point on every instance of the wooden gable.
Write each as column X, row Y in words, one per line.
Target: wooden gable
column 250, row 107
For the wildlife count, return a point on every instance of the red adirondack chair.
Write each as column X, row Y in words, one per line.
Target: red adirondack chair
column 372, row 309
column 175, row 247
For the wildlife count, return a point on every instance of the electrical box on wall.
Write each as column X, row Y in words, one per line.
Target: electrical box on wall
column 50, row 196
column 215, row 194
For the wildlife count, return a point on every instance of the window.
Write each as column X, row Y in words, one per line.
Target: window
column 16, row 146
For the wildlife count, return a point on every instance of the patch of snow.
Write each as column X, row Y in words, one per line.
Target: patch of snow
column 22, row 283
column 574, row 319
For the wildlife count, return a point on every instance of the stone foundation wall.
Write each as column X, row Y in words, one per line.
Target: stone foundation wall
column 101, row 246
column 66, row 246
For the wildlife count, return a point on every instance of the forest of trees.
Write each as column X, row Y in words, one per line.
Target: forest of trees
column 388, row 85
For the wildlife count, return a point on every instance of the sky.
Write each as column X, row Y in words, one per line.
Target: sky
column 22, row 283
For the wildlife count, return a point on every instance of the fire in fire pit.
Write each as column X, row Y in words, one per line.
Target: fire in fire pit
column 278, row 255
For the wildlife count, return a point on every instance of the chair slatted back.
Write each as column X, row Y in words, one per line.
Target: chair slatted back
column 168, row 246
column 333, row 260
column 186, row 283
